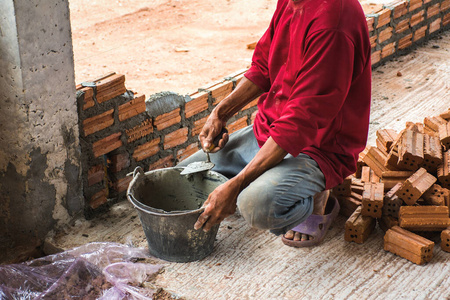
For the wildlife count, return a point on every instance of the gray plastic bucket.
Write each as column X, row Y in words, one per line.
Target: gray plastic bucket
column 168, row 205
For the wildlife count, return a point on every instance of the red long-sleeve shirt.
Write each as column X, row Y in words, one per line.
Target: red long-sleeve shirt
column 313, row 63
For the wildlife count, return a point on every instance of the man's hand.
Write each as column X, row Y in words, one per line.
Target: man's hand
column 220, row 204
column 211, row 129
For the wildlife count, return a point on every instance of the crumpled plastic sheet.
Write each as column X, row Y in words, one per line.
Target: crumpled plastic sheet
column 106, row 271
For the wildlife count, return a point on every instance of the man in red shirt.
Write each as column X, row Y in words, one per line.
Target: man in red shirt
column 312, row 69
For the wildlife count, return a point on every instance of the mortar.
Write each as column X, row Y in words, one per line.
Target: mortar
column 168, row 205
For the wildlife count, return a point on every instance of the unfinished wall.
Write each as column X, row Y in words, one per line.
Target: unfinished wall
column 119, row 131
column 39, row 144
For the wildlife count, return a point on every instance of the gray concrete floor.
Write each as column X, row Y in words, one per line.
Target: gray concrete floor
column 251, row 264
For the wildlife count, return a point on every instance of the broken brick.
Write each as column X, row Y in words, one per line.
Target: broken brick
column 410, row 150
column 132, row 108
column 139, row 131
column 415, row 186
column 99, row 122
column 107, row 144
column 358, row 227
column 168, row 119
column 408, row 245
column 424, row 218
column 175, row 138
column 444, row 135
column 146, row 150
column 433, row 123
column 372, row 200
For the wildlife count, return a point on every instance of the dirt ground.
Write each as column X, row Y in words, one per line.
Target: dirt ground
column 165, row 45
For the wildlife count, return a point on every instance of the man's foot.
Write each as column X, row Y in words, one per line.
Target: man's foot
column 316, row 225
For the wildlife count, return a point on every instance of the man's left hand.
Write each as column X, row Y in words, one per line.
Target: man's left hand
column 220, row 204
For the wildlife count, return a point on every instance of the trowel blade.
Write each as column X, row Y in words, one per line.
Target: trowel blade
column 197, row 166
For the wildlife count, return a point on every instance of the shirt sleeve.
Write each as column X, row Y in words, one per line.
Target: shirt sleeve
column 321, row 86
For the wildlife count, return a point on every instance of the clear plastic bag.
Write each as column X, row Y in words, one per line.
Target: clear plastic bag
column 93, row 271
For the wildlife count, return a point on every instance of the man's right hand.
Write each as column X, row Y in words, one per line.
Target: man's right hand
column 212, row 128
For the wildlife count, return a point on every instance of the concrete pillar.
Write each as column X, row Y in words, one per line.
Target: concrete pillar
column 40, row 182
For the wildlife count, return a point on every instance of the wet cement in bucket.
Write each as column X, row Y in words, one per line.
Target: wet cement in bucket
column 169, row 205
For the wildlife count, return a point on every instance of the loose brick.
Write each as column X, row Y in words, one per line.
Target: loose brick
column 198, row 125
column 252, row 103
column 408, row 245
column 391, row 202
column 110, row 87
column 220, row 91
column 415, row 4
column 372, row 200
column 386, row 137
column 238, row 124
column 385, row 35
column 198, row 104
column 402, row 26
column 175, row 138
column 433, row 123
column 443, row 171
column 375, row 159
column 349, row 204
column 343, row 189
column 445, row 115
column 444, row 135
column 388, row 50
column 433, row 10
column 370, row 21
column 96, row 174
column 424, row 218
column 384, row 17
column 410, row 150
column 146, row 150
column 437, row 195
column 99, row 198
column 435, row 25
column 358, row 227
column 168, row 119
column 139, row 131
column 417, row 18
column 432, row 153
column 99, row 122
column 445, row 240
column 392, row 158
column 387, row 222
column 119, row 162
column 420, row 33
column 415, row 186
column 405, row 42
column 392, row 178
column 182, row 154
column 357, row 187
column 375, row 57
column 122, row 184
column 107, row 144
column 132, row 108
column 368, row 175
column 165, row 162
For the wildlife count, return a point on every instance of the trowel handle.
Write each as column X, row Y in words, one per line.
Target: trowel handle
column 217, row 139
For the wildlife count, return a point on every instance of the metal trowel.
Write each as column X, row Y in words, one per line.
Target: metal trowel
column 201, row 166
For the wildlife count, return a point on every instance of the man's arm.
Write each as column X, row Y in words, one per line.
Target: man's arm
column 222, row 201
column 245, row 92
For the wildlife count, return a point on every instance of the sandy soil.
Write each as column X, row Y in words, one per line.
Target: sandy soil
column 161, row 45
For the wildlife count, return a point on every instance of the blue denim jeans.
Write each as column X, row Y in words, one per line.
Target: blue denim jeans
column 279, row 199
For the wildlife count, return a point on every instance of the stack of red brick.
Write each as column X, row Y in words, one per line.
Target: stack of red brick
column 401, row 24
column 403, row 183
column 120, row 130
